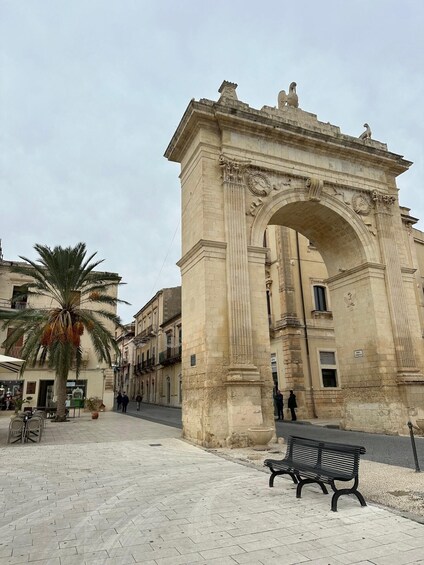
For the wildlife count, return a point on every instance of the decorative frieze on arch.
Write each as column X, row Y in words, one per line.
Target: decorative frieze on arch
column 263, row 184
column 266, row 188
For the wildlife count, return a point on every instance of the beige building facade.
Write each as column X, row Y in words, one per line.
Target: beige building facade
column 242, row 170
column 157, row 349
column 124, row 366
column 96, row 379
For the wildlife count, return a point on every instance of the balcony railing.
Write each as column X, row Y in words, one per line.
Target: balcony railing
column 148, row 365
column 170, row 355
column 12, row 304
column 150, row 331
column 18, row 305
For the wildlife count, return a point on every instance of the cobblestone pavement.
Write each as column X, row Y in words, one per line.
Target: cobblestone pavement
column 121, row 490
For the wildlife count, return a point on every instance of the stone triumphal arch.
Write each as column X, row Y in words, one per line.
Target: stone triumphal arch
column 243, row 169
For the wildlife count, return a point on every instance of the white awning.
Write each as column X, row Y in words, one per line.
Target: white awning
column 11, row 363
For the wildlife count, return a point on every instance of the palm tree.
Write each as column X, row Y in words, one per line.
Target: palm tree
column 80, row 301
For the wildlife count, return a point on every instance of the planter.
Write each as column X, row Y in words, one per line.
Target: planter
column 94, row 415
column 260, row 437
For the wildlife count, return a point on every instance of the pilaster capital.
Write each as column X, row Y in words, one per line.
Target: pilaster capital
column 383, row 202
column 232, row 169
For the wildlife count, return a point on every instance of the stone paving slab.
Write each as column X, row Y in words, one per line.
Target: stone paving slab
column 120, row 490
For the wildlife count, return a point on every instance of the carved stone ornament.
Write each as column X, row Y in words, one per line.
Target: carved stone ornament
column 253, row 208
column 289, row 99
column 264, row 185
column 361, row 204
column 350, row 299
column 232, row 170
column 315, row 188
column 258, row 184
column 228, row 90
column 384, row 199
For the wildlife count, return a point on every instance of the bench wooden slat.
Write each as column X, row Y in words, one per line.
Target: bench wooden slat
column 321, row 462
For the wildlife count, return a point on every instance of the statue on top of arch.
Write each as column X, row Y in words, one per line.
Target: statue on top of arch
column 289, row 99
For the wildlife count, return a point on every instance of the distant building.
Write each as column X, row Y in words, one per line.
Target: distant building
column 95, row 378
column 124, row 368
column 157, row 349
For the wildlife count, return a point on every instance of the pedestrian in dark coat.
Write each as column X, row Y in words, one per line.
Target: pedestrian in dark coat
column 119, row 401
column 125, row 401
column 292, row 404
column 279, row 402
column 139, row 400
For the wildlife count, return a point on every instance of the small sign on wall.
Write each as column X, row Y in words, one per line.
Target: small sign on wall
column 358, row 353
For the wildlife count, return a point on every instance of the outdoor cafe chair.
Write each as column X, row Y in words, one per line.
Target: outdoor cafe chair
column 16, row 430
column 40, row 414
column 34, row 429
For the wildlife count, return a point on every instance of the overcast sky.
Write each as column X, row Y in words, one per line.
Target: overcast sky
column 91, row 92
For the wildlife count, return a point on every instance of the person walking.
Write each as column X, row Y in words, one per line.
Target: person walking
column 125, row 401
column 292, row 404
column 279, row 402
column 119, row 401
column 139, row 400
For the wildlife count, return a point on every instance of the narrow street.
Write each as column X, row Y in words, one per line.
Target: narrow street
column 392, row 450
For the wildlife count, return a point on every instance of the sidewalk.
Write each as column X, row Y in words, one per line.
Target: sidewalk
column 122, row 490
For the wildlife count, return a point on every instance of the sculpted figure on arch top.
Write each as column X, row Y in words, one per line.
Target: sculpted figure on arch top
column 289, row 99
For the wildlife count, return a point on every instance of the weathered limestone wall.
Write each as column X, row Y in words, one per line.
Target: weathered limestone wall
column 205, row 336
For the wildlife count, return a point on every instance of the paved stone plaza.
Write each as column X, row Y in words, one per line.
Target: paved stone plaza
column 122, row 490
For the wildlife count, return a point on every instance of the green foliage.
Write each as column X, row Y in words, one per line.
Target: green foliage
column 78, row 298
column 19, row 402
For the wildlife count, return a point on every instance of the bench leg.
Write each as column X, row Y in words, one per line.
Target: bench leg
column 338, row 493
column 275, row 473
column 309, row 481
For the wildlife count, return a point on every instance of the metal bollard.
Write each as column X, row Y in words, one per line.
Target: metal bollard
column 414, row 448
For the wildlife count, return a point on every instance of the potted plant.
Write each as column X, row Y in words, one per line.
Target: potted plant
column 94, row 404
column 19, row 402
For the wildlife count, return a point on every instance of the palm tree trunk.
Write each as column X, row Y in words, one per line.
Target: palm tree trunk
column 61, row 380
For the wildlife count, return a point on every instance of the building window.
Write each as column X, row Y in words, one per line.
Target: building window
column 268, row 307
column 328, row 367
column 180, row 339
column 168, row 390
column 30, row 387
column 19, row 298
column 320, row 298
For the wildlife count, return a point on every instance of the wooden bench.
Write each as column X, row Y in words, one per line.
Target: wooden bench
column 311, row 461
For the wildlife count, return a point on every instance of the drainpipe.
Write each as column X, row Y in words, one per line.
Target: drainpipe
column 302, row 298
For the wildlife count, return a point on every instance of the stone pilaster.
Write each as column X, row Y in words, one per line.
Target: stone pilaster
column 239, row 310
column 402, row 335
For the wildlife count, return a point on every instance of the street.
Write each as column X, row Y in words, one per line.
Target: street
column 391, row 450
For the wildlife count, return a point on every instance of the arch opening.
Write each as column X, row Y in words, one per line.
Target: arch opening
column 338, row 242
